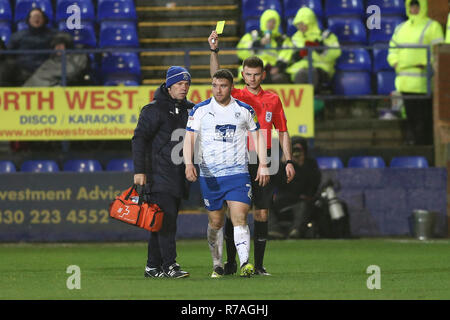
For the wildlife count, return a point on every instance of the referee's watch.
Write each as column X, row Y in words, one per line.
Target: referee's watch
column 290, row 161
column 216, row 50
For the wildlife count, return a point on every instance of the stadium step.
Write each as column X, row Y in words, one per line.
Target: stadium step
column 154, row 64
column 177, row 57
column 174, row 10
column 159, row 81
column 184, row 29
column 185, row 42
column 200, row 73
column 185, row 24
column 358, row 133
column 170, row 3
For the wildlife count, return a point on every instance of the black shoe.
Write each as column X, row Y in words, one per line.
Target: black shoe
column 174, row 271
column 261, row 271
column 153, row 273
column 218, row 272
column 229, row 268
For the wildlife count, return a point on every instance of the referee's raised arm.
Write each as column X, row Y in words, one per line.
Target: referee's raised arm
column 213, row 41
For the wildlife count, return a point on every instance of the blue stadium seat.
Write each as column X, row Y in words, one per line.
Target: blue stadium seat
column 291, row 29
column 389, row 7
column 366, row 162
column 21, row 25
column 251, row 24
column 291, row 7
column 82, row 166
column 385, row 82
column 118, row 34
column 116, row 10
column 255, row 8
column 352, row 83
column 7, row 166
column 85, row 35
column 384, row 34
column 348, row 30
column 409, row 162
column 119, row 64
column 354, row 60
column 5, row 11
column 120, row 165
column 329, row 162
column 39, row 166
column 344, row 7
column 380, row 60
column 87, row 10
column 23, row 7
column 122, row 81
column 5, row 31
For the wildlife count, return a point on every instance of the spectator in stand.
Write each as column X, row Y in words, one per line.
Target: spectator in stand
column 447, row 35
column 293, row 203
column 5, row 67
column 295, row 61
column 50, row 72
column 37, row 36
column 411, row 65
column 260, row 42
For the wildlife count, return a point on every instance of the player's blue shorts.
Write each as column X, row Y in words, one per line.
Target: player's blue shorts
column 216, row 190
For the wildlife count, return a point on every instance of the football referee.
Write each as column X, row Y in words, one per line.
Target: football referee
column 270, row 113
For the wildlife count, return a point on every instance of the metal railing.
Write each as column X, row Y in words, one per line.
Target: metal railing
column 187, row 62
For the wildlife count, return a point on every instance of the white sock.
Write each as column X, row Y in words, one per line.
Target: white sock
column 242, row 243
column 215, row 242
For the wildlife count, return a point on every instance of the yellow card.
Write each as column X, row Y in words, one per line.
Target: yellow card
column 219, row 27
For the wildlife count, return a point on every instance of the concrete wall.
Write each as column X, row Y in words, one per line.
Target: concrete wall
column 382, row 200
column 52, row 207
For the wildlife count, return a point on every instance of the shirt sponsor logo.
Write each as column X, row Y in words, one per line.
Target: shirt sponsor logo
column 225, row 133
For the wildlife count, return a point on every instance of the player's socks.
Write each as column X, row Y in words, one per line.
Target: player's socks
column 260, row 239
column 229, row 239
column 215, row 242
column 242, row 243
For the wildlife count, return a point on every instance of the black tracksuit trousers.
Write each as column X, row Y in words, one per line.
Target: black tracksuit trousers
column 161, row 245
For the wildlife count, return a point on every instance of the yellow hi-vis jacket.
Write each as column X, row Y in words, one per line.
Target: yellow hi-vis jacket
column 447, row 34
column 325, row 60
column 417, row 30
column 249, row 40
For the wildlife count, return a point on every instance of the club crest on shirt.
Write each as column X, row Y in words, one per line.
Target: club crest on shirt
column 268, row 116
column 237, row 114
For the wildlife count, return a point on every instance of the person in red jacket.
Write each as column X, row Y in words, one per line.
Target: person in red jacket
column 270, row 113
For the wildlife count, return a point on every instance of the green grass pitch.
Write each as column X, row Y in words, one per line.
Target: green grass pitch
column 301, row 269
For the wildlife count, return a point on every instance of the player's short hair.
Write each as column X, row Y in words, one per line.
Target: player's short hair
column 253, row 62
column 224, row 74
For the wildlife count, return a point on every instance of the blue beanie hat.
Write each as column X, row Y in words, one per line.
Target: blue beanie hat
column 177, row 74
